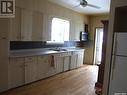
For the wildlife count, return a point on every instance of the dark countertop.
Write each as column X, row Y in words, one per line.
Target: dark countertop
column 37, row 52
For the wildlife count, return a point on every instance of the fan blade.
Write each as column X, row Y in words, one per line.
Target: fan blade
column 94, row 6
column 76, row 6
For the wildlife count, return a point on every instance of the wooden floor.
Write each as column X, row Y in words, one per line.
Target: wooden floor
column 76, row 82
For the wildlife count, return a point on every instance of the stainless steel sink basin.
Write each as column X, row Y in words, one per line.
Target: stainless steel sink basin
column 58, row 49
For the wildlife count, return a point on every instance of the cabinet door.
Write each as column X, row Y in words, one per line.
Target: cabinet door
column 51, row 66
column 30, row 69
column 16, row 72
column 42, row 67
column 80, row 58
column 15, row 26
column 73, row 63
column 59, row 64
column 26, row 25
column 66, row 63
column 47, row 21
column 37, row 26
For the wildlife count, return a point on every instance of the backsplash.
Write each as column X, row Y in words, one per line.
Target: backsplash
column 18, row 45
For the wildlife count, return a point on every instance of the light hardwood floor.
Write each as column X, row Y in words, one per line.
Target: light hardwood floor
column 76, row 82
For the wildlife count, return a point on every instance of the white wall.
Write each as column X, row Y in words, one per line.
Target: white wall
column 114, row 4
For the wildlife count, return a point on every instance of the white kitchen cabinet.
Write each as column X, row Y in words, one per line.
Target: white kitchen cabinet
column 16, row 72
column 42, row 67
column 59, row 63
column 80, row 58
column 22, row 71
column 51, row 65
column 62, row 61
column 26, row 25
column 15, row 26
column 73, row 64
column 77, row 59
column 46, row 66
column 37, row 27
column 30, row 69
column 66, row 63
column 21, row 25
column 47, row 24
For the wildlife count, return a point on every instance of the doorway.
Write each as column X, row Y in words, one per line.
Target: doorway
column 98, row 46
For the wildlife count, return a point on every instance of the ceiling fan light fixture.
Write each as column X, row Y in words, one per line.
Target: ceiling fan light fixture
column 84, row 3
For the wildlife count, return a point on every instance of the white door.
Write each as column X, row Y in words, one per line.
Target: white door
column 16, row 72
column 98, row 45
column 118, row 78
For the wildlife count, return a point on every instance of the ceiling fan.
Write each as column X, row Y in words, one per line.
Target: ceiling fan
column 84, row 3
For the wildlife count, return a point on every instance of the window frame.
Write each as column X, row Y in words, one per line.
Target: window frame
column 64, row 19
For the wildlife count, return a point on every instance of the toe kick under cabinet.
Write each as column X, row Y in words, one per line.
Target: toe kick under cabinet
column 24, row 70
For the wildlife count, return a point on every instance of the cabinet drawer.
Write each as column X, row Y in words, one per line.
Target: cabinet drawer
column 78, row 52
column 75, row 52
column 16, row 60
column 66, row 54
column 63, row 54
column 30, row 59
column 43, row 58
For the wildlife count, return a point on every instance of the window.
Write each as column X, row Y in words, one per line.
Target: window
column 60, row 30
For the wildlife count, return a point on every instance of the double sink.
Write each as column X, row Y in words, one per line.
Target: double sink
column 58, row 49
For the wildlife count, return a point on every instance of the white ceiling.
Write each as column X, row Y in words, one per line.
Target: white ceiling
column 104, row 4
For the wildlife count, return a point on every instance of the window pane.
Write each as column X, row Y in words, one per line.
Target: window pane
column 60, row 30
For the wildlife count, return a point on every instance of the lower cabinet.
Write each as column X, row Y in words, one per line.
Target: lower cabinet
column 80, row 58
column 24, row 70
column 51, row 66
column 66, row 63
column 16, row 72
column 30, row 69
column 73, row 64
column 77, row 59
column 59, row 63
column 42, row 67
column 62, row 62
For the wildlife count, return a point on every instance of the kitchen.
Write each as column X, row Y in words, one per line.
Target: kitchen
column 31, row 19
